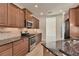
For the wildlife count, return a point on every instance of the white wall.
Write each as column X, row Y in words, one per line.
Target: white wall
column 42, row 21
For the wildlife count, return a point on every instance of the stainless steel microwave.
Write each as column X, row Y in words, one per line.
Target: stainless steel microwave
column 28, row 24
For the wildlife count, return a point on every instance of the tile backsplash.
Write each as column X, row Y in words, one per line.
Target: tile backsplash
column 33, row 31
column 6, row 33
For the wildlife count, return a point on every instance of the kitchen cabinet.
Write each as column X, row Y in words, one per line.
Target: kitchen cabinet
column 12, row 13
column 15, row 16
column 29, row 17
column 73, row 16
column 6, row 50
column 20, row 18
column 3, row 14
column 35, row 23
column 15, row 48
column 38, row 38
column 20, row 47
column 27, row 14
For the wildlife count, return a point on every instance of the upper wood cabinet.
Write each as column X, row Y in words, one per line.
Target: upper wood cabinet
column 35, row 23
column 28, row 15
column 74, row 16
column 12, row 13
column 15, row 16
column 3, row 14
column 21, row 18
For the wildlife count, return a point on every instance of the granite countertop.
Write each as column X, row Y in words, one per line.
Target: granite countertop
column 8, row 40
column 52, row 46
column 63, row 47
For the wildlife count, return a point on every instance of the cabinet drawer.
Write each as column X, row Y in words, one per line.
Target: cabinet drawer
column 5, row 47
column 7, row 52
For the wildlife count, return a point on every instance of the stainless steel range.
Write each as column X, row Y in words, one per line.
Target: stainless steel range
column 32, row 42
column 32, row 39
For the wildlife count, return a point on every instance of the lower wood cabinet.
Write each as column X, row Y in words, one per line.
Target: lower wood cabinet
column 16, row 48
column 6, row 50
column 39, row 38
column 20, row 47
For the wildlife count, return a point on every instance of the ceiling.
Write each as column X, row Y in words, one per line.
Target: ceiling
column 46, row 8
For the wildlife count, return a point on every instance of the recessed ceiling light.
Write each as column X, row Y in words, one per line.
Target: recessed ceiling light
column 36, row 6
column 41, row 13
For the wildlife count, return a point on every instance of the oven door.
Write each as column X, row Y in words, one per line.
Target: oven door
column 32, row 43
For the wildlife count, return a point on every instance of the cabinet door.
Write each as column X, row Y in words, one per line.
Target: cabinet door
column 37, row 24
column 21, row 18
column 12, row 15
column 20, row 48
column 3, row 14
column 28, row 16
column 72, row 16
column 6, row 50
column 38, row 38
column 33, row 23
column 77, row 17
